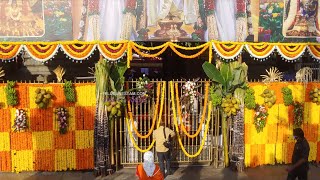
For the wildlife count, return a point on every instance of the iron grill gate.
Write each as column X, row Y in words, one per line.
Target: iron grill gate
column 143, row 115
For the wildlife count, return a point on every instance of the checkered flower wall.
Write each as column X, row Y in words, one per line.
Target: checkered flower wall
column 41, row 147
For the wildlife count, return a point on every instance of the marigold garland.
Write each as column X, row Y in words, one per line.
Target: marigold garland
column 177, row 128
column 291, row 52
column 203, row 111
column 10, row 51
column 41, row 52
column 78, row 53
column 260, row 51
column 130, row 132
column 154, row 115
column 173, row 47
column 112, row 53
column 166, row 45
column 314, row 51
column 228, row 51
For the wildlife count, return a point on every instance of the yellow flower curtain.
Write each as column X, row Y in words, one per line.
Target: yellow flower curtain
column 113, row 51
column 41, row 147
column 275, row 143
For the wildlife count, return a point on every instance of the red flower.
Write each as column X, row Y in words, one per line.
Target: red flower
column 209, row 5
column 131, row 4
column 241, row 6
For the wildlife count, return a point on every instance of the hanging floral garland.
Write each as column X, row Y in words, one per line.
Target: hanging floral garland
column 260, row 117
column 78, row 52
column 249, row 99
column 291, row 53
column 228, row 51
column 204, row 47
column 42, row 52
column 20, row 121
column 298, row 114
column 137, row 48
column 62, row 118
column 261, row 51
column 314, row 51
column 9, row 51
column 111, row 52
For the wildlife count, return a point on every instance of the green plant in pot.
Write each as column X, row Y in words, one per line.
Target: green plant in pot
column 230, row 83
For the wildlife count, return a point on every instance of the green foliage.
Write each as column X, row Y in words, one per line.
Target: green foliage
column 298, row 114
column 69, row 91
column 249, row 100
column 287, row 96
column 216, row 98
column 117, row 76
column 11, row 93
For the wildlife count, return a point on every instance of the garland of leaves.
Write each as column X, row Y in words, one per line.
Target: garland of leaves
column 69, row 91
column 11, row 93
column 249, row 99
column 62, row 118
column 20, row 121
column 287, row 96
column 297, row 114
column 260, row 117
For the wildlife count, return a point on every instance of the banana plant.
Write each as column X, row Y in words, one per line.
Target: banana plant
column 228, row 79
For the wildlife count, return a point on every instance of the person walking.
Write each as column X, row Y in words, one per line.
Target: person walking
column 162, row 136
column 148, row 170
column 300, row 166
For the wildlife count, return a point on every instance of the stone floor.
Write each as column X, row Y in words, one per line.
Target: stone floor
column 187, row 173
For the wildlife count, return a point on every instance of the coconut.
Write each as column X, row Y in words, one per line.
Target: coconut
column 41, row 105
column 43, row 91
column 113, row 103
column 109, row 108
column 118, row 106
column 108, row 103
column 119, row 113
column 266, row 91
column 315, row 90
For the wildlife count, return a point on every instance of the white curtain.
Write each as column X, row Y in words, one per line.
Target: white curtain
column 226, row 20
column 111, row 13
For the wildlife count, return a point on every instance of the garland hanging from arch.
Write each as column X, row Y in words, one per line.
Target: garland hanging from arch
column 260, row 51
column 41, row 52
column 9, row 51
column 291, row 53
column 314, row 51
column 228, row 51
column 78, row 51
column 204, row 47
column 111, row 52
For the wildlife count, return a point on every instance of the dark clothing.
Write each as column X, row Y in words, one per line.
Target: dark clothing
column 164, row 156
column 303, row 175
column 301, row 151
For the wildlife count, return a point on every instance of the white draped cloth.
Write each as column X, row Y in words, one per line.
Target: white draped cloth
column 225, row 13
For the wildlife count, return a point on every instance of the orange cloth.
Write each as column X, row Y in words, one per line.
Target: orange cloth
column 157, row 175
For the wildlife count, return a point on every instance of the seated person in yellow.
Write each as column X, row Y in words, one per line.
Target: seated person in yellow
column 148, row 170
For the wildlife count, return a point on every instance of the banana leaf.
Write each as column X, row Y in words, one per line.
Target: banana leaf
column 213, row 73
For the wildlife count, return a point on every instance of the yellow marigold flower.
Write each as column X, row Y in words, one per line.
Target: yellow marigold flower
column 281, row 4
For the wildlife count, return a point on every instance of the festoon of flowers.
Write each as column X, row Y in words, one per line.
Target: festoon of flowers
column 260, row 117
column 62, row 118
column 20, row 121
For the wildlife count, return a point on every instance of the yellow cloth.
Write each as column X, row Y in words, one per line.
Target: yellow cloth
column 159, row 137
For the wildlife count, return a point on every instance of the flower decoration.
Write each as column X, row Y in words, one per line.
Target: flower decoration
column 260, row 117
column 62, row 118
column 298, row 114
column 189, row 92
column 20, row 121
column 144, row 89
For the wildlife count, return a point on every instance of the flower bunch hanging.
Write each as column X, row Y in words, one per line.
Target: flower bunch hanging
column 144, row 89
column 298, row 114
column 189, row 92
column 20, row 121
column 62, row 118
column 260, row 117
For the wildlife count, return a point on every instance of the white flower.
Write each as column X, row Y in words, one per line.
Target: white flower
column 257, row 113
column 81, row 23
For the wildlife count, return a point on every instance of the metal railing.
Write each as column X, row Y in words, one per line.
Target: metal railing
column 143, row 115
